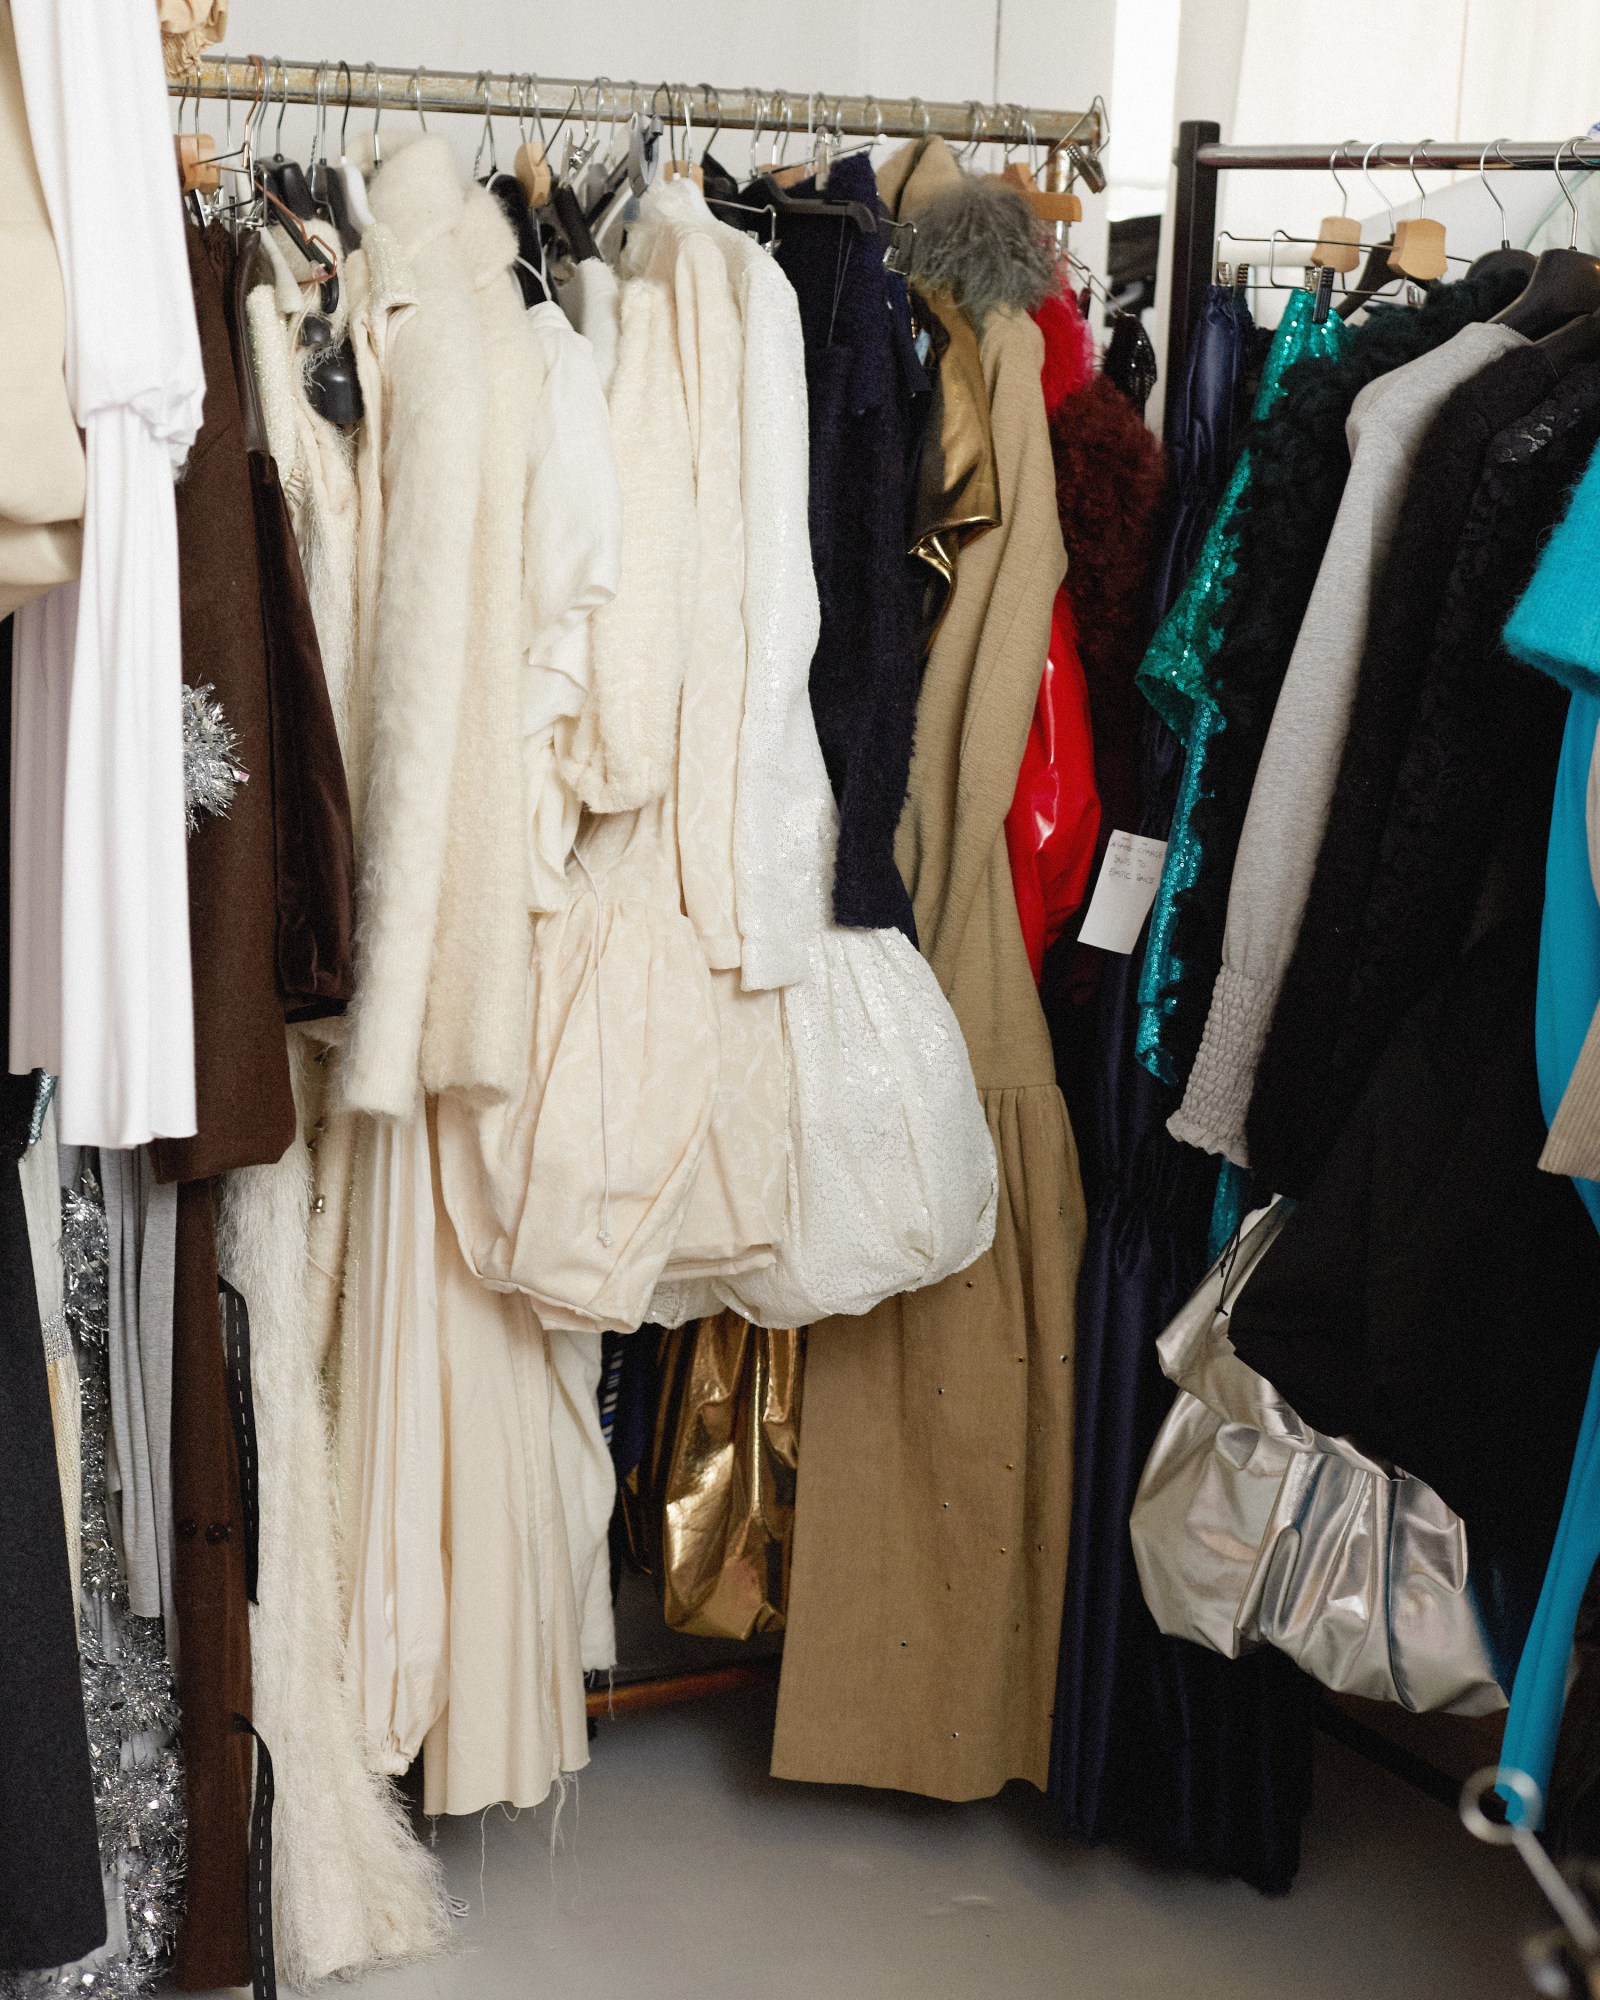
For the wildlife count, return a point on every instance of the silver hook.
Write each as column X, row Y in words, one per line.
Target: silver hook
column 227, row 94
column 713, row 100
column 1344, row 192
column 283, row 104
column 486, row 136
column 915, row 104
column 1572, row 231
column 1488, row 188
column 321, row 101
column 1411, row 168
column 377, row 112
column 974, row 130
column 1371, row 183
column 414, row 94
column 344, row 122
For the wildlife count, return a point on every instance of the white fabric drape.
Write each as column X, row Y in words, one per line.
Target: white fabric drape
column 100, row 924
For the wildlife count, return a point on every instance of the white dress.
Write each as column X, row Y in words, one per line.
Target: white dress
column 891, row 1177
column 101, row 993
column 575, row 1195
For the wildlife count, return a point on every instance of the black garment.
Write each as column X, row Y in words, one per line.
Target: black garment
column 1298, row 465
column 1298, row 1099
column 52, row 1907
column 1479, row 768
column 1157, row 1742
column 1130, row 359
column 864, row 677
column 1433, row 1297
column 1207, row 416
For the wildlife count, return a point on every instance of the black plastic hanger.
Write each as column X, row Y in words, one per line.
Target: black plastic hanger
column 767, row 191
column 1375, row 274
column 573, row 225
column 1565, row 284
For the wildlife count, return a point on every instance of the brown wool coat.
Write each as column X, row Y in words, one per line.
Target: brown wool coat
column 243, row 1102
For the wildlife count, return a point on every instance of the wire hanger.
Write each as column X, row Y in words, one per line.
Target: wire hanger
column 1502, row 260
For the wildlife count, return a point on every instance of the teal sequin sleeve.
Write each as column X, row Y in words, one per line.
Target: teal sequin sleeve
column 1174, row 679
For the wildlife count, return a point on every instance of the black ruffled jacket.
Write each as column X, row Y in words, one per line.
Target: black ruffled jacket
column 1438, row 712
column 1299, row 462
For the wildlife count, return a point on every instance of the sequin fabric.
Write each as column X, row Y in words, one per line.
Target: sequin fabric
column 1174, row 679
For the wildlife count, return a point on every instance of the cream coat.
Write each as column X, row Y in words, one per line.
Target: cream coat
column 435, row 404
column 475, row 1040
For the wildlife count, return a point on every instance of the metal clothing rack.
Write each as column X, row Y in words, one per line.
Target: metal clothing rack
column 1200, row 158
column 372, row 87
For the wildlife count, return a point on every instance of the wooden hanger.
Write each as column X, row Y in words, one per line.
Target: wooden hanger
column 1419, row 250
column 198, row 171
column 1048, row 206
column 1338, row 245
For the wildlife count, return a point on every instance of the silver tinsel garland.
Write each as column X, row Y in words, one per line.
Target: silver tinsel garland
column 130, row 1703
column 212, row 773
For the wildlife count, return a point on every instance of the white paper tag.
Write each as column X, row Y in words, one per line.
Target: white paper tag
column 1122, row 897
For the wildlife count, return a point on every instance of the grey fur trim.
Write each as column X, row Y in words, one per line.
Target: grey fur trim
column 983, row 245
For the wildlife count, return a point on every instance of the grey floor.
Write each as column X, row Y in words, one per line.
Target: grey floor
column 681, row 1871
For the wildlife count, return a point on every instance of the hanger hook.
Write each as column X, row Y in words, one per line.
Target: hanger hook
column 1411, row 168
column 1344, row 192
column 486, row 136
column 1488, row 188
column 914, row 105
column 227, row 95
column 414, row 93
column 283, row 102
column 377, row 112
column 1572, row 229
column 713, row 100
column 344, row 122
column 321, row 97
column 1378, row 191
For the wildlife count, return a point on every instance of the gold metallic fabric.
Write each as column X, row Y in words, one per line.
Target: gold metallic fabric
column 958, row 483
column 1251, row 1528
column 712, row 1510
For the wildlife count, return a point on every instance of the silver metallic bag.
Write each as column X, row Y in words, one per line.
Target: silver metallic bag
column 1251, row 1528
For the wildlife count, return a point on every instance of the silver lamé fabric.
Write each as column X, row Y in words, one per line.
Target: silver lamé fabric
column 1250, row 1528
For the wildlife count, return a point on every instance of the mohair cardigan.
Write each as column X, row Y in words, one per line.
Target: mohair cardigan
column 1295, row 1108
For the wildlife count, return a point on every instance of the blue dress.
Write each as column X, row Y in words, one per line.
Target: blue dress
column 1556, row 628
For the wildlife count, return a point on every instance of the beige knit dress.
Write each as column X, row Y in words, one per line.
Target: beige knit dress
column 936, row 1450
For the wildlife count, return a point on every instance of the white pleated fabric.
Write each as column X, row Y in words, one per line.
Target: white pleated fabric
column 100, row 929
column 397, row 1660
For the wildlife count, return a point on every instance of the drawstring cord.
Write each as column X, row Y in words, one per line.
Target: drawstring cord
column 600, row 1023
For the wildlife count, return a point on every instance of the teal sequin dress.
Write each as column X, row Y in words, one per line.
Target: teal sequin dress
column 1174, row 679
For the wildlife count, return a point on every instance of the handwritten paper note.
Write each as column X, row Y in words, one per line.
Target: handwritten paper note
column 1126, row 889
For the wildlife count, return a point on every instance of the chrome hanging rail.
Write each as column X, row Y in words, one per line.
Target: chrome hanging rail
column 1487, row 155
column 1200, row 157
column 366, row 86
